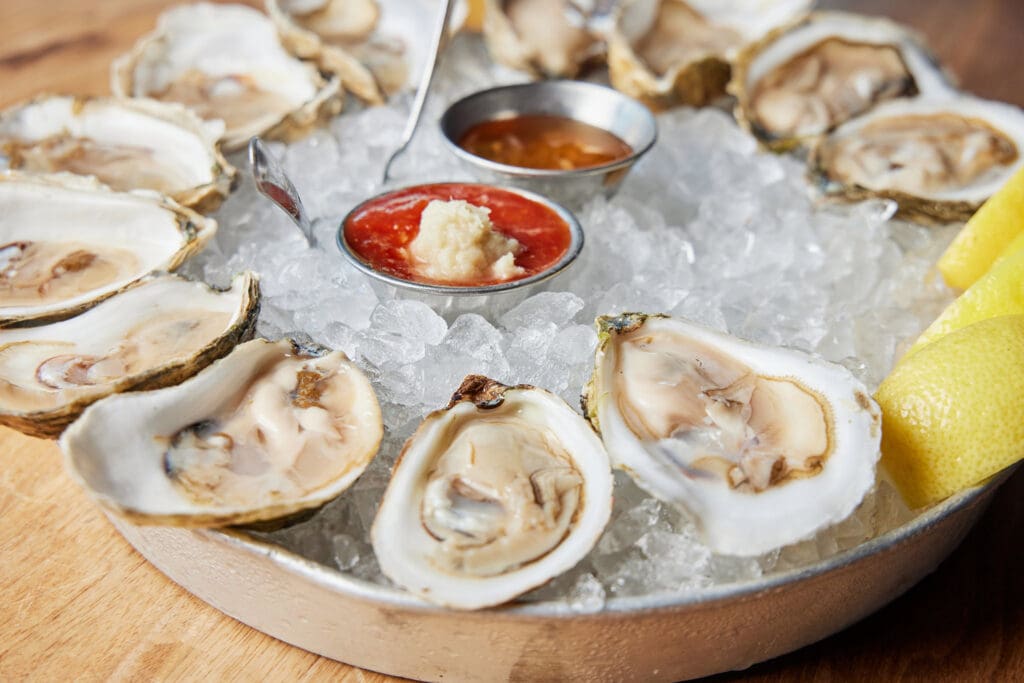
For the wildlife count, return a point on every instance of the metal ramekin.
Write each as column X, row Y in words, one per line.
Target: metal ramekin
column 595, row 104
column 450, row 300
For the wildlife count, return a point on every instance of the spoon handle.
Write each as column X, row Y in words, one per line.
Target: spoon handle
column 424, row 87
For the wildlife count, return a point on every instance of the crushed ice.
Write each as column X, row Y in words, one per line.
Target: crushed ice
column 705, row 227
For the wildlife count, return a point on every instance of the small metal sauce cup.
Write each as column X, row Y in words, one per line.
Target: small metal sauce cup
column 589, row 103
column 450, row 301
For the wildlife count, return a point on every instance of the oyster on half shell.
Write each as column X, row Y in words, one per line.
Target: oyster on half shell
column 226, row 62
column 376, row 47
column 804, row 80
column 494, row 495
column 269, row 430
column 938, row 158
column 762, row 446
column 541, row 36
column 126, row 144
column 67, row 243
column 668, row 52
column 154, row 334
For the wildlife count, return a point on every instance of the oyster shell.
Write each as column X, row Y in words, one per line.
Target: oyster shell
column 763, row 446
column 328, row 31
column 125, row 144
column 540, row 36
column 271, row 429
column 154, row 334
column 496, row 494
column 226, row 62
column 804, row 80
column 376, row 48
column 67, row 243
column 668, row 52
column 939, row 159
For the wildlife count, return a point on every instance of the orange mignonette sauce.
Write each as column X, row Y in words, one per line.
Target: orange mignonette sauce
column 545, row 142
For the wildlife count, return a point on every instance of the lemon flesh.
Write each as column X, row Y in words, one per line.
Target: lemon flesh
column 952, row 412
column 999, row 292
column 987, row 234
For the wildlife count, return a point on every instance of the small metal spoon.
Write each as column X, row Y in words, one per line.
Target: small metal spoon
column 424, row 87
column 274, row 184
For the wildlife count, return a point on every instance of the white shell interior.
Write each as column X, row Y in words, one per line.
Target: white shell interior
column 739, row 523
column 403, row 546
column 124, row 467
column 102, row 327
column 186, row 152
column 1003, row 117
column 67, row 207
column 222, row 41
column 853, row 28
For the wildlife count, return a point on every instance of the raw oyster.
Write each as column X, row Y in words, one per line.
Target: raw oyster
column 226, row 62
column 271, row 429
column 805, row 80
column 940, row 159
column 154, row 334
column 376, row 48
column 540, row 36
column 496, row 494
column 126, row 144
column 667, row 52
column 67, row 243
column 763, row 446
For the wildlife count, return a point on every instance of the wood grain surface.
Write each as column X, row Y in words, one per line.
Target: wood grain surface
column 77, row 602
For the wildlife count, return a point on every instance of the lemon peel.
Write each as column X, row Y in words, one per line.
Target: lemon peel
column 985, row 236
column 951, row 412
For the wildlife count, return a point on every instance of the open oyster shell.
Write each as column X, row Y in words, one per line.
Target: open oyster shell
column 763, row 446
column 226, row 62
column 154, row 334
column 938, row 158
column 377, row 48
column 126, row 144
column 494, row 495
column 668, row 52
column 540, row 36
column 67, row 243
column 271, row 429
column 804, row 80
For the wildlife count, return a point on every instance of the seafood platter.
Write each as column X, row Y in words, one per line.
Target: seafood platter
column 619, row 376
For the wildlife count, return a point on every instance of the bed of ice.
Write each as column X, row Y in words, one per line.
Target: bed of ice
column 706, row 227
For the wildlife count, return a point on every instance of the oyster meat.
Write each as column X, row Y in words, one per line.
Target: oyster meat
column 669, row 52
column 940, row 159
column 762, row 446
column 269, row 430
column 226, row 62
column 545, row 37
column 496, row 494
column 125, row 144
column 67, row 243
column 805, row 80
column 154, row 334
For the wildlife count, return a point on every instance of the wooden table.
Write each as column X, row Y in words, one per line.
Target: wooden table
column 76, row 601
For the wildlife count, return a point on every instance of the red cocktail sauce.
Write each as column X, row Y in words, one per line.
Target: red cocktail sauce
column 379, row 231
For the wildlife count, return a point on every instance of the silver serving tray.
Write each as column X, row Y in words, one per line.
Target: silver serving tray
column 651, row 638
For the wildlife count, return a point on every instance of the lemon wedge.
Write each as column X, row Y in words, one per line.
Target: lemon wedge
column 987, row 234
column 951, row 412
column 999, row 292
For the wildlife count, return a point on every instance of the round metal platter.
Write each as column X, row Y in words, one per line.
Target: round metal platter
column 657, row 637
